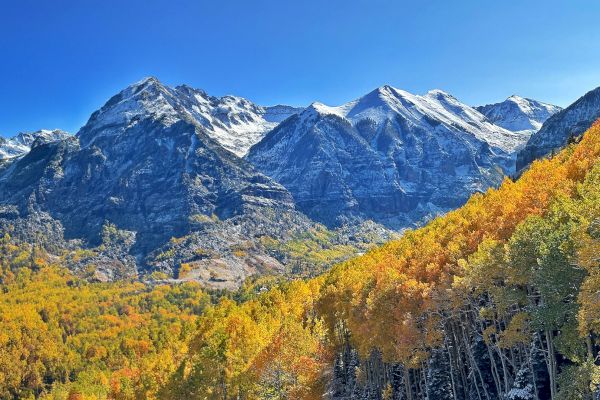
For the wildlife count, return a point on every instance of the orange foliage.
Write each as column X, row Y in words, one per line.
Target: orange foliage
column 392, row 297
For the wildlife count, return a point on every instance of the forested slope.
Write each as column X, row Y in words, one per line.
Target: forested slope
column 61, row 337
column 498, row 299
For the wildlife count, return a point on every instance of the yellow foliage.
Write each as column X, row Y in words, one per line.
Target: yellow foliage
column 393, row 296
column 59, row 334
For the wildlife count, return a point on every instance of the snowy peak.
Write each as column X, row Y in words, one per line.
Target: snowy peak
column 379, row 105
column 519, row 114
column 519, row 100
column 234, row 122
column 438, row 93
column 318, row 109
column 561, row 127
column 23, row 142
column 436, row 107
column 147, row 98
column 390, row 156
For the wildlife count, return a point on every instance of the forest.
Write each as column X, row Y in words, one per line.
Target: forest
column 496, row 300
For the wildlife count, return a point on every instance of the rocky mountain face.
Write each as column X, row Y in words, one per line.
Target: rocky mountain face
column 560, row 128
column 390, row 156
column 22, row 143
column 149, row 167
column 234, row 122
column 519, row 114
column 156, row 181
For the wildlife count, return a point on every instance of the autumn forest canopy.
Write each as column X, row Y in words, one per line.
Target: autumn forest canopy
column 498, row 299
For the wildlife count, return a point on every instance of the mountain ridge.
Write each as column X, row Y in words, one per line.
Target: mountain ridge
column 568, row 124
column 519, row 114
column 21, row 143
column 387, row 152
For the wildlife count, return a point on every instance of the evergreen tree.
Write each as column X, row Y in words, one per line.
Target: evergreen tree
column 439, row 381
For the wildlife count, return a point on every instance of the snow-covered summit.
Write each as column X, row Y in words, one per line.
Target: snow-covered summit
column 561, row 127
column 236, row 123
column 22, row 142
column 519, row 114
column 435, row 107
column 390, row 156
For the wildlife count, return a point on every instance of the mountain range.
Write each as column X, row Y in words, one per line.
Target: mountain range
column 21, row 144
column 161, row 177
column 389, row 156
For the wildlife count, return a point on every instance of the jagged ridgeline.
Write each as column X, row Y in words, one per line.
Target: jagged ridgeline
column 561, row 128
column 154, row 182
column 495, row 300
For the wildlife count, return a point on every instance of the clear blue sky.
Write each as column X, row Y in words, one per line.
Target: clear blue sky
column 61, row 60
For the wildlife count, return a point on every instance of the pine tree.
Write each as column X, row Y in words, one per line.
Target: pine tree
column 522, row 388
column 439, row 381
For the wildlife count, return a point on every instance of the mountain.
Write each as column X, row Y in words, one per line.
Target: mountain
column 519, row 114
column 148, row 167
column 155, row 179
column 389, row 156
column 22, row 143
column 234, row 122
column 561, row 127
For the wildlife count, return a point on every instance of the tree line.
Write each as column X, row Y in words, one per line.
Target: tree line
column 496, row 300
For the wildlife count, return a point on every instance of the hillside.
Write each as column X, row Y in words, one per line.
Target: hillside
column 494, row 300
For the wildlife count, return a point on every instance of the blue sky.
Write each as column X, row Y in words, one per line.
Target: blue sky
column 61, row 60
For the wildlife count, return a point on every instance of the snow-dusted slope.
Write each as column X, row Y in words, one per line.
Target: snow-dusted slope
column 387, row 102
column 519, row 114
column 148, row 162
column 21, row 144
column 390, row 156
column 563, row 126
column 234, row 122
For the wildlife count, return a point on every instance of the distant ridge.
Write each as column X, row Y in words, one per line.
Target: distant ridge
column 390, row 156
column 569, row 123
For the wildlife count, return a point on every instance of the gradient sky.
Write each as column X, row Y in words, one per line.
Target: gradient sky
column 61, row 60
